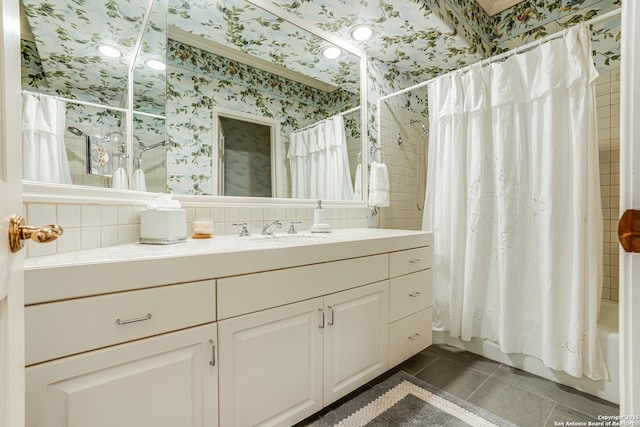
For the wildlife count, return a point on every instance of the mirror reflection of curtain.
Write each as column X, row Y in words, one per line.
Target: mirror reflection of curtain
column 319, row 162
column 44, row 155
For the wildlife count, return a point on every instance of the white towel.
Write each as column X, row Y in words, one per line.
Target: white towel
column 378, row 185
column 357, row 187
column 138, row 182
column 120, row 179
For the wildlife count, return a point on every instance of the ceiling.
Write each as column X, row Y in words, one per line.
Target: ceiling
column 420, row 39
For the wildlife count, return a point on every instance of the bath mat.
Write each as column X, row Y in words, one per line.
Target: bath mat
column 403, row 400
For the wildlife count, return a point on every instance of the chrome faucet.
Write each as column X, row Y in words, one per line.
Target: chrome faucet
column 267, row 230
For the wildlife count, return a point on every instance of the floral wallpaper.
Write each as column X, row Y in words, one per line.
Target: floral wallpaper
column 198, row 81
column 415, row 40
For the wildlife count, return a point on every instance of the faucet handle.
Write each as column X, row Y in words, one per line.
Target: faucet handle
column 244, row 232
column 292, row 227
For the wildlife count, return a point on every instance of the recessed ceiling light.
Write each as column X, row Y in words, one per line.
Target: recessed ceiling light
column 331, row 52
column 155, row 64
column 110, row 51
column 361, row 33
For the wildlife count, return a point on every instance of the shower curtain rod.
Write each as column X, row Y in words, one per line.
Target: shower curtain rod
column 513, row 51
column 339, row 114
column 76, row 101
column 92, row 104
column 348, row 111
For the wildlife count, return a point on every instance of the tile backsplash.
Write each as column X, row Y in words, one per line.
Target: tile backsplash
column 90, row 226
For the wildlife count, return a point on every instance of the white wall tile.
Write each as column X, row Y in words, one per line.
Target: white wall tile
column 41, row 249
column 69, row 216
column 41, row 214
column 109, row 215
column 125, row 214
column 91, row 237
column 70, row 241
column 109, row 236
column 90, row 215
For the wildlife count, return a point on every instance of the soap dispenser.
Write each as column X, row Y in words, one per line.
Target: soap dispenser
column 319, row 226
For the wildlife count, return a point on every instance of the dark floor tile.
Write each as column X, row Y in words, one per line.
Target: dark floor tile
column 418, row 362
column 561, row 415
column 453, row 377
column 463, row 357
column 512, row 403
column 385, row 375
column 564, row 395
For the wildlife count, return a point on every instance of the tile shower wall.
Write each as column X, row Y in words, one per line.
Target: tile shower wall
column 402, row 166
column 90, row 226
column 608, row 104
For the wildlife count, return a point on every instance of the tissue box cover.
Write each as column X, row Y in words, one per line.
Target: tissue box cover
column 163, row 226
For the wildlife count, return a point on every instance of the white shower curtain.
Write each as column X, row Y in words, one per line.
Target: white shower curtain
column 319, row 162
column 44, row 157
column 513, row 198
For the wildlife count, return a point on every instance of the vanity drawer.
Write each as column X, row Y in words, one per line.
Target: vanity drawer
column 254, row 292
column 68, row 327
column 410, row 293
column 412, row 260
column 409, row 336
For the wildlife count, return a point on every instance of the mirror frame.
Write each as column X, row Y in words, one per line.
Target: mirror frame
column 37, row 192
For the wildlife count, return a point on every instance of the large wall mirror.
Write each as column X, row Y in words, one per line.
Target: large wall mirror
column 205, row 98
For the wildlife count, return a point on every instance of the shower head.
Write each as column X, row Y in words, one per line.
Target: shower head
column 424, row 128
column 76, row 131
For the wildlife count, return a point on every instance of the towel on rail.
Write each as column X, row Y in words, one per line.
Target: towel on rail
column 378, row 185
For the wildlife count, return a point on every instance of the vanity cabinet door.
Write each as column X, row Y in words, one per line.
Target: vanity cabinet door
column 167, row 380
column 356, row 338
column 271, row 365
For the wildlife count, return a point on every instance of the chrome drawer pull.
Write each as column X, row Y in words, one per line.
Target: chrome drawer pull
column 330, row 323
column 415, row 294
column 139, row 319
column 213, row 352
column 414, row 261
column 321, row 326
column 414, row 336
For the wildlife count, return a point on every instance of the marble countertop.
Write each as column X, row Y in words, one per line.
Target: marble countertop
column 135, row 266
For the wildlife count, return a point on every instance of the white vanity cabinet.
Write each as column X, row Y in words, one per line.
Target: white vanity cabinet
column 228, row 332
column 411, row 300
column 168, row 380
column 113, row 360
column 355, row 338
column 271, row 365
column 281, row 365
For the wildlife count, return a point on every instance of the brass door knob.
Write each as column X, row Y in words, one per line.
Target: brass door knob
column 19, row 232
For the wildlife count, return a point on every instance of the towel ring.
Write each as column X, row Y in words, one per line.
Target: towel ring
column 375, row 150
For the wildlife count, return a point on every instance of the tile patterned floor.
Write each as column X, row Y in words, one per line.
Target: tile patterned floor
column 522, row 398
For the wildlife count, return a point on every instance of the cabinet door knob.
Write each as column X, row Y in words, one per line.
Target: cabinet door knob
column 137, row 319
